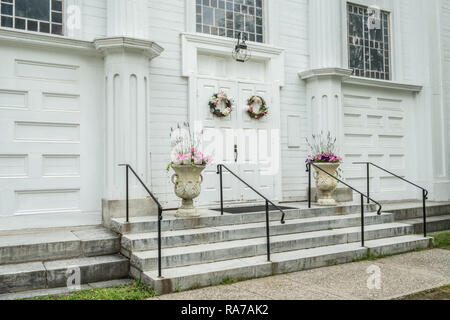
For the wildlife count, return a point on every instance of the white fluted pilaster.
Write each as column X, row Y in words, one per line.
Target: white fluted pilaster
column 128, row 18
column 325, row 21
column 126, row 93
column 327, row 70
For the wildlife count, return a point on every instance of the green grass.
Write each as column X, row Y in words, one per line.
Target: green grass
column 135, row 291
column 441, row 240
column 441, row 293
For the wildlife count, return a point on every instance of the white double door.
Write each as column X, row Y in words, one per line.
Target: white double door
column 249, row 147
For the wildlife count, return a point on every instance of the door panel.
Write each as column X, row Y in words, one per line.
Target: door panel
column 221, row 135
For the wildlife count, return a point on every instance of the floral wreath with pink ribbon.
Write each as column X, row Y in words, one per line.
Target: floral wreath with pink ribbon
column 262, row 111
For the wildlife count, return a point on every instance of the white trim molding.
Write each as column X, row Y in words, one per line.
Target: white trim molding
column 148, row 48
column 385, row 84
column 192, row 43
column 334, row 72
column 27, row 38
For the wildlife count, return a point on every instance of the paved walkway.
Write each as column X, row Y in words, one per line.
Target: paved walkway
column 399, row 276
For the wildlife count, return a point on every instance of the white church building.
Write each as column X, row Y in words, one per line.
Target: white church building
column 88, row 85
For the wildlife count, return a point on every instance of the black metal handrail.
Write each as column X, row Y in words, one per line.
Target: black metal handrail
column 160, row 210
column 424, row 191
column 308, row 169
column 220, row 172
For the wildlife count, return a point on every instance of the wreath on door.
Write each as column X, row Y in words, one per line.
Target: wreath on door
column 255, row 112
column 217, row 99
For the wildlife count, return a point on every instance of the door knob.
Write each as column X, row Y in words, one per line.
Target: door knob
column 235, row 153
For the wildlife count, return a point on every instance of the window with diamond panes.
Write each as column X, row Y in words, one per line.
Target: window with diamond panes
column 228, row 18
column 33, row 15
column 369, row 48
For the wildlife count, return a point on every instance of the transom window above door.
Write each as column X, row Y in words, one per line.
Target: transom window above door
column 228, row 18
column 369, row 48
column 33, row 15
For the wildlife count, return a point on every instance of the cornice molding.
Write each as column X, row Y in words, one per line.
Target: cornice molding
column 27, row 38
column 223, row 44
column 113, row 44
column 325, row 72
column 385, row 84
column 193, row 43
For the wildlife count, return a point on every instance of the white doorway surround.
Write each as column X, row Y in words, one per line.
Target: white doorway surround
column 249, row 147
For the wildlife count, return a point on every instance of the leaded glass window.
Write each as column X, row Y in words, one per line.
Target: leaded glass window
column 33, row 15
column 369, row 48
column 228, row 18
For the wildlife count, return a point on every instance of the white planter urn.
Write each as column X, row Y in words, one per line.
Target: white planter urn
column 326, row 184
column 187, row 180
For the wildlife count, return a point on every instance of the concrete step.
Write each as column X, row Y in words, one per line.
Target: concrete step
column 54, row 274
column 65, row 289
column 149, row 241
column 210, row 218
column 404, row 211
column 52, row 245
column 434, row 223
column 201, row 275
column 211, row 252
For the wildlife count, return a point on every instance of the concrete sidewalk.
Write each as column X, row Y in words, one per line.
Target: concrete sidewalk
column 400, row 275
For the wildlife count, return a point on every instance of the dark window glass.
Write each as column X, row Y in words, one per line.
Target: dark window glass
column 57, row 17
column 229, row 17
column 239, row 22
column 33, row 9
column 208, row 16
column 368, row 42
column 32, row 25
column 20, row 23
column 7, row 9
column 44, row 27
column 57, row 29
column 56, row 5
column 7, row 22
column 250, row 24
column 220, row 18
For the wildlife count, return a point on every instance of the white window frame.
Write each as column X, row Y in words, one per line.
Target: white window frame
column 63, row 24
column 394, row 34
column 270, row 21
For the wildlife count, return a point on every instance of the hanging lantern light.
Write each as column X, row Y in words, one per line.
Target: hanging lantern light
column 241, row 52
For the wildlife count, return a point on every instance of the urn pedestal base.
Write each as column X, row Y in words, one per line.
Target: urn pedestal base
column 187, row 181
column 187, row 210
column 325, row 183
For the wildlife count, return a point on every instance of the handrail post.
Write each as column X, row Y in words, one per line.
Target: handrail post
column 267, row 231
column 159, row 242
column 362, row 220
column 368, row 183
column 221, row 191
column 309, row 185
column 126, row 194
column 424, row 198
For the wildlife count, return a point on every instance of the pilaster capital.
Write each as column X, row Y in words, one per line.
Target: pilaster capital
column 125, row 44
column 340, row 73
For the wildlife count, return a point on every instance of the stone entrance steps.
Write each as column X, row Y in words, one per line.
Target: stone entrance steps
column 207, row 250
column 54, row 274
column 214, row 219
column 213, row 252
column 41, row 259
column 200, row 275
column 438, row 215
column 179, row 238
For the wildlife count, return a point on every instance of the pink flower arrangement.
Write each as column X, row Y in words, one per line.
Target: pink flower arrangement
column 185, row 147
column 193, row 157
column 329, row 157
